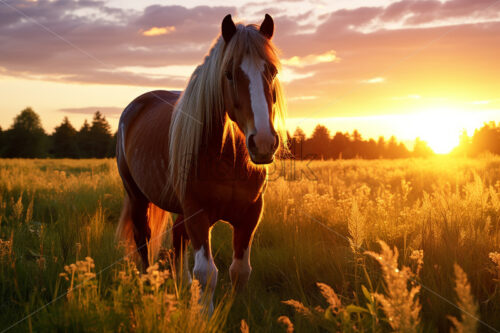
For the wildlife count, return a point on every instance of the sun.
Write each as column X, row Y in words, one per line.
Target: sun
column 441, row 127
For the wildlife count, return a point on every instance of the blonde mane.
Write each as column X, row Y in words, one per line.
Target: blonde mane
column 202, row 101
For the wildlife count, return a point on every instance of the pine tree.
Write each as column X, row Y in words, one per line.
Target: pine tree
column 100, row 136
column 83, row 141
column 64, row 143
column 1, row 141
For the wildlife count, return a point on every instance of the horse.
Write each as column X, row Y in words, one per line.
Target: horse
column 203, row 154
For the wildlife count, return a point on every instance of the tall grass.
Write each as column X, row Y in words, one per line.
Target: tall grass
column 314, row 250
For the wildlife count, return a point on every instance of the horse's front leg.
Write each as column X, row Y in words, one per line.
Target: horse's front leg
column 243, row 230
column 198, row 228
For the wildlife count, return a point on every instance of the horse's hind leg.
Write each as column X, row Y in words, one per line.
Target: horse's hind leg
column 142, row 232
column 180, row 240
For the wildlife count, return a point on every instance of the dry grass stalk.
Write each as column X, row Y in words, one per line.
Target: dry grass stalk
column 400, row 305
column 284, row 320
column 330, row 296
column 466, row 303
column 299, row 307
column 244, row 327
column 356, row 227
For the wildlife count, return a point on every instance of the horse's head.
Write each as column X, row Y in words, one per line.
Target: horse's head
column 250, row 85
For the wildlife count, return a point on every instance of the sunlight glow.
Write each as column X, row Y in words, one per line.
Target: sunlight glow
column 441, row 127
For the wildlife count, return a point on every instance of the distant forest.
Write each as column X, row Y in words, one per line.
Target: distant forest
column 26, row 138
column 321, row 145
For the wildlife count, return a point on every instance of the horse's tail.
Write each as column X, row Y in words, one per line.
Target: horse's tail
column 125, row 230
column 158, row 220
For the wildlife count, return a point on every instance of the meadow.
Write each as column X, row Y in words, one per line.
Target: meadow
column 406, row 245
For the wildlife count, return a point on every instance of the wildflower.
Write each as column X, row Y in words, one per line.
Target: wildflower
column 418, row 256
column 195, row 299
column 5, row 248
column 495, row 257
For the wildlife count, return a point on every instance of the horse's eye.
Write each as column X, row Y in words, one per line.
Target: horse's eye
column 229, row 75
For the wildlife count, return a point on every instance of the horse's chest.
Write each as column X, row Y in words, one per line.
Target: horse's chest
column 223, row 186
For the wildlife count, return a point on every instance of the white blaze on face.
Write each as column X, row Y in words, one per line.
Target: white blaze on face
column 258, row 100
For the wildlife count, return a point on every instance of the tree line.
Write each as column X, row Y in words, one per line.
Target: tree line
column 485, row 139
column 322, row 145
column 26, row 138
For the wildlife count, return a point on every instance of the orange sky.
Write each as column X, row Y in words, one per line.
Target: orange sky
column 411, row 68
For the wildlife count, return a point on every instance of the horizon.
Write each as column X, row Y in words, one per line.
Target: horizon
column 404, row 68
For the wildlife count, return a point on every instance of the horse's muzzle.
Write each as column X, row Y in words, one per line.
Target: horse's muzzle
column 262, row 159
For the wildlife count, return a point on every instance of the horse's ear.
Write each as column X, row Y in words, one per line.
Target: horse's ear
column 267, row 27
column 228, row 28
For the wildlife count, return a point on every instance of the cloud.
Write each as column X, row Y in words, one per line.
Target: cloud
column 302, row 98
column 311, row 59
column 48, row 40
column 158, row 31
column 419, row 12
column 374, row 80
column 158, row 46
column 289, row 75
column 407, row 97
column 109, row 111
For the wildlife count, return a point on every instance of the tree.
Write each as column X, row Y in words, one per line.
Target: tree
column 299, row 135
column 357, row 144
column 339, row 145
column 392, row 148
column 319, row 142
column 84, row 141
column 100, row 136
column 26, row 137
column 487, row 138
column 421, row 149
column 64, row 143
column 1, row 141
column 381, row 147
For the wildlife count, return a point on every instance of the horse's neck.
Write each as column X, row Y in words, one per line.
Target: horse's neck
column 226, row 150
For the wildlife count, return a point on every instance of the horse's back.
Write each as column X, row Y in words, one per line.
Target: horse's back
column 142, row 146
column 151, row 99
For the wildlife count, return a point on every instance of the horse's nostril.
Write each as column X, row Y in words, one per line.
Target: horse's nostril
column 251, row 143
column 276, row 141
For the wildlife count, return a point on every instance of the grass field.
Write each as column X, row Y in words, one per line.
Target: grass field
column 322, row 224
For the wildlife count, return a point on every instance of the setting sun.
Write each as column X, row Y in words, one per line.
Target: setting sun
column 440, row 128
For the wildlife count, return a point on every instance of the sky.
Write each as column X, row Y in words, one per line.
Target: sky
column 410, row 68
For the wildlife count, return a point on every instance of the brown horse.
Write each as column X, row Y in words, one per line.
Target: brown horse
column 202, row 154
